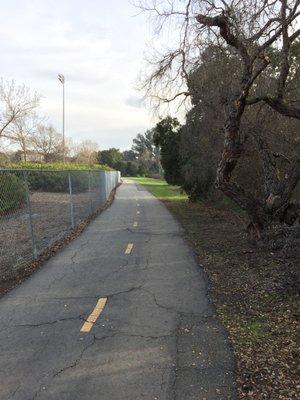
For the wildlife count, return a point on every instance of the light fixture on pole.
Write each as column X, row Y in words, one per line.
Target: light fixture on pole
column 61, row 78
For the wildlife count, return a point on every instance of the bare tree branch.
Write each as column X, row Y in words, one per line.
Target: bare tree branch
column 15, row 103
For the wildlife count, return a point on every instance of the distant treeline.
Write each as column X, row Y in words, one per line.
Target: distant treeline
column 142, row 160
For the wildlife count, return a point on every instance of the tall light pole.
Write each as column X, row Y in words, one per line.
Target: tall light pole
column 61, row 78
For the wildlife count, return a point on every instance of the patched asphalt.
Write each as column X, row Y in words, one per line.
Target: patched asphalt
column 157, row 337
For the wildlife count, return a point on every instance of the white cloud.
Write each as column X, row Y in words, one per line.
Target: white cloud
column 97, row 46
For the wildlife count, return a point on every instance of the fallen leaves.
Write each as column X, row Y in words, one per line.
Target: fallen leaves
column 256, row 295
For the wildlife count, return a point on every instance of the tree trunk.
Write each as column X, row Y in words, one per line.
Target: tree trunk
column 24, row 150
column 276, row 207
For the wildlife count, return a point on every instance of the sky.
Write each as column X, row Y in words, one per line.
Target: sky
column 98, row 45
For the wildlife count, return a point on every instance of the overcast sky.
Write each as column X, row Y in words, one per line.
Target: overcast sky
column 98, row 45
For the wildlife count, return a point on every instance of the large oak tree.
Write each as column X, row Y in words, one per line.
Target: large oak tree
column 253, row 30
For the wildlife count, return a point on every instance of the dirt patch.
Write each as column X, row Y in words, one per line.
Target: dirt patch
column 53, row 231
column 256, row 294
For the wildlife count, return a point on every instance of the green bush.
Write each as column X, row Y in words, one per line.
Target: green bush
column 12, row 192
column 53, row 177
column 58, row 181
column 127, row 168
column 58, row 166
column 48, row 181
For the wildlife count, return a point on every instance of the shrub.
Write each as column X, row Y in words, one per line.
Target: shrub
column 58, row 181
column 132, row 168
column 59, row 166
column 53, row 177
column 127, row 168
column 198, row 179
column 167, row 135
column 12, row 192
column 48, row 181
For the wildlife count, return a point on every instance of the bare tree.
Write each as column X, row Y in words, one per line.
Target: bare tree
column 5, row 152
column 22, row 131
column 253, row 30
column 86, row 152
column 16, row 102
column 47, row 142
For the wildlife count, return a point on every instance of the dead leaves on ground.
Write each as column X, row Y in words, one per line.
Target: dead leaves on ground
column 256, row 296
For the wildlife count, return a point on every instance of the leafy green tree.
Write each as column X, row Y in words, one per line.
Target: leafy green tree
column 167, row 136
column 143, row 144
column 249, row 35
column 132, row 168
column 110, row 157
column 147, row 154
column 129, row 155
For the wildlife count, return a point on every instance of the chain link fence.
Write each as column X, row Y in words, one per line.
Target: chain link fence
column 39, row 207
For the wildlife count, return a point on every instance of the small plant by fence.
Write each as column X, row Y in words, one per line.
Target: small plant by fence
column 39, row 207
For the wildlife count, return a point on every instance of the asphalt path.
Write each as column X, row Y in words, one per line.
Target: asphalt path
column 121, row 313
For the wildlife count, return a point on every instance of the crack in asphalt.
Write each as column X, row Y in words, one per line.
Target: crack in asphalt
column 148, row 233
column 72, row 298
column 78, row 250
column 77, row 357
column 119, row 333
column 80, row 317
column 173, row 309
column 64, row 369
column 132, row 289
column 147, row 337
column 162, row 381
column 14, row 392
column 95, row 339
column 69, row 267
column 176, row 357
column 126, row 263
column 77, row 360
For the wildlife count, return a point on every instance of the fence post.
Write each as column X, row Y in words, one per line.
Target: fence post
column 71, row 201
column 90, row 193
column 33, row 241
column 106, row 185
column 110, row 183
column 102, row 178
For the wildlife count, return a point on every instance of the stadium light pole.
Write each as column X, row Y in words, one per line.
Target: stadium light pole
column 61, row 78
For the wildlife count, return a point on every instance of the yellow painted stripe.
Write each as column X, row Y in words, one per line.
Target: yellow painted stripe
column 92, row 318
column 129, row 248
column 135, row 224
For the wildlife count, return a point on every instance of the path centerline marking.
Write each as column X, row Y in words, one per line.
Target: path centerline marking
column 137, row 212
column 135, row 224
column 129, row 248
column 92, row 318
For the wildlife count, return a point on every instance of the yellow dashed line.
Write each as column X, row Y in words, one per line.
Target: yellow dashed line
column 135, row 224
column 92, row 318
column 129, row 248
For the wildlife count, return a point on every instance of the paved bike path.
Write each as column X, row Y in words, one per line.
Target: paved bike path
column 156, row 337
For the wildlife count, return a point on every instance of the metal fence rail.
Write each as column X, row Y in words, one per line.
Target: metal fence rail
column 39, row 207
